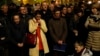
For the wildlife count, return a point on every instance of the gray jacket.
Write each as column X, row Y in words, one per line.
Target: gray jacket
column 58, row 29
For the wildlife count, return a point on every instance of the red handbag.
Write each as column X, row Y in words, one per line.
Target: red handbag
column 31, row 40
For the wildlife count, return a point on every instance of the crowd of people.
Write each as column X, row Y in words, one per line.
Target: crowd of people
column 76, row 26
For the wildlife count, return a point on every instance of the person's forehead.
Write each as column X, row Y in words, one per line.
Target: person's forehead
column 16, row 16
column 44, row 3
column 64, row 8
column 57, row 12
column 76, row 44
column 94, row 8
column 38, row 4
column 22, row 7
column 51, row 4
column 3, row 7
column 38, row 14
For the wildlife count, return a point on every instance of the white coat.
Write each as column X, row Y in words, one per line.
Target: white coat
column 32, row 29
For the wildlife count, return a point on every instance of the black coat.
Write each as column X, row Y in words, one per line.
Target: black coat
column 3, row 31
column 17, row 33
column 46, row 15
column 25, row 18
column 83, row 32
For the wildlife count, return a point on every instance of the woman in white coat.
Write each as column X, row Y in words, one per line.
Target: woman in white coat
column 38, row 26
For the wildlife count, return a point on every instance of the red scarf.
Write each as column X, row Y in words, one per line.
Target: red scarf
column 39, row 37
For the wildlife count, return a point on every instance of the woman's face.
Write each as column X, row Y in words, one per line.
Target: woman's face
column 16, row 19
column 38, row 16
column 78, row 48
column 94, row 10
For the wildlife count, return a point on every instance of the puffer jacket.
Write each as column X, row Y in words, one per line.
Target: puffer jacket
column 93, row 25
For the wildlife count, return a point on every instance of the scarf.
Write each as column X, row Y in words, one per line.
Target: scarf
column 39, row 37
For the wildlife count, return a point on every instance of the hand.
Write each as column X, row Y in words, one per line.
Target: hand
column 75, row 32
column 39, row 23
column 2, row 38
column 20, row 44
column 60, row 42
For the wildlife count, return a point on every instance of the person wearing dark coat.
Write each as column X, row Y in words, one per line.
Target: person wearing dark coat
column 70, row 39
column 25, row 16
column 16, row 36
column 4, row 21
column 58, row 31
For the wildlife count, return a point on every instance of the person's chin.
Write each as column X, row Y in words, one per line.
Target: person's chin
column 77, row 51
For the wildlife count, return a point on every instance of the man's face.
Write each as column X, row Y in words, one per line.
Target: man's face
column 57, row 14
column 44, row 6
column 4, row 8
column 64, row 10
column 16, row 19
column 38, row 6
column 23, row 10
column 51, row 7
column 69, row 10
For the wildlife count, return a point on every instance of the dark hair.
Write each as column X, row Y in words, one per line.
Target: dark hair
column 15, row 15
column 12, row 17
column 80, row 43
column 56, row 10
column 37, row 12
column 63, row 7
column 93, row 7
column 78, row 11
column 53, row 2
column 36, row 4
